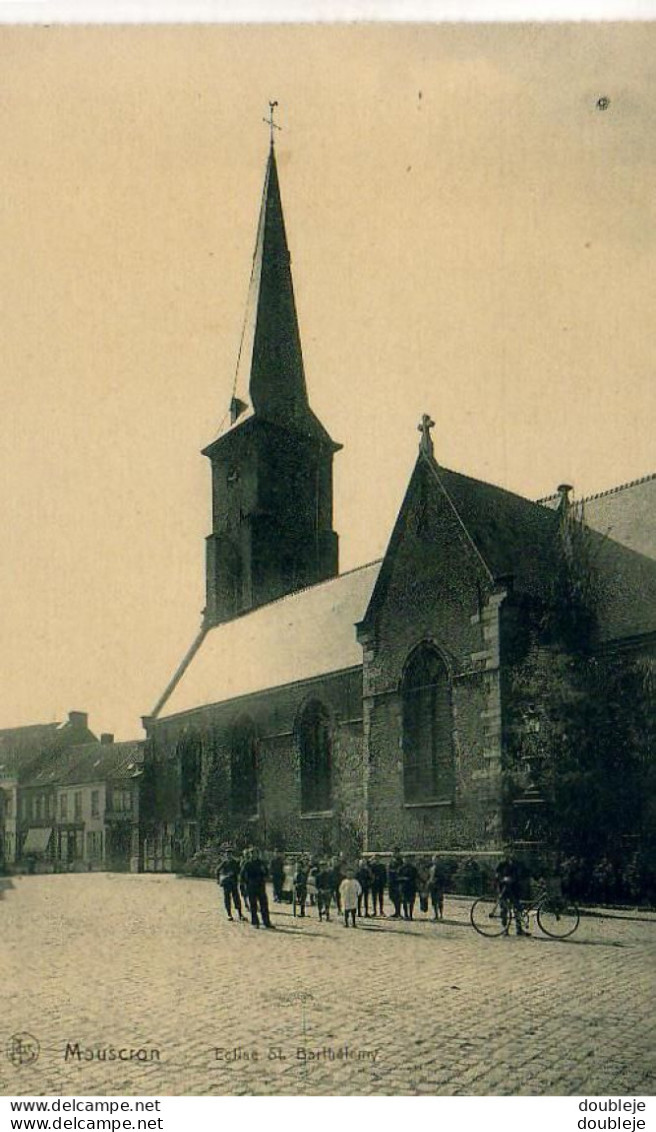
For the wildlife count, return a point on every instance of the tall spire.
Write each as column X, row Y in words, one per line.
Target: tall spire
column 277, row 378
column 270, row 379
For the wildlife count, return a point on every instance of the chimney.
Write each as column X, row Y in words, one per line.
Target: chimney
column 78, row 719
column 564, row 501
column 106, row 738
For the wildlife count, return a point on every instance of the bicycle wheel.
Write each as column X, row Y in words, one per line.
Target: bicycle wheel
column 489, row 917
column 558, row 919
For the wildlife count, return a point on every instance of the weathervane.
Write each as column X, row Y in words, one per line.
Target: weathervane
column 270, row 122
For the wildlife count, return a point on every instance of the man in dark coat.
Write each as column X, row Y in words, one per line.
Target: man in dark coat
column 408, row 876
column 227, row 877
column 394, row 882
column 253, row 875
column 364, row 877
column 511, row 877
column 300, row 886
column 378, row 881
column 277, row 869
column 338, row 871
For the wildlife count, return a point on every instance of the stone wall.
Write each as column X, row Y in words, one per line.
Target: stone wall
column 437, row 591
column 279, row 819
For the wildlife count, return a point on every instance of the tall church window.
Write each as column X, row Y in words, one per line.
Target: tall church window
column 315, row 749
column 190, row 754
column 243, row 768
column 428, row 765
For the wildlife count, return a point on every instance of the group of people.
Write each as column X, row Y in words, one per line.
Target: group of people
column 243, row 880
column 330, row 883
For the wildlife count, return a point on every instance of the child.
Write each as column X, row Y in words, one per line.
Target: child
column 436, row 886
column 312, row 883
column 349, row 890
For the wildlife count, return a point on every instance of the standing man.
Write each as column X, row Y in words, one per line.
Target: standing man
column 394, row 881
column 364, row 879
column 408, row 876
column 378, row 880
column 510, row 875
column 227, row 877
column 253, row 874
column 325, row 887
column 300, row 886
column 277, row 867
column 337, row 867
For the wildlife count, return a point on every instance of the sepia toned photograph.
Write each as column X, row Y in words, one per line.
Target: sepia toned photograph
column 327, row 720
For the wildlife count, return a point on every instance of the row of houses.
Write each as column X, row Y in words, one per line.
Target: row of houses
column 68, row 799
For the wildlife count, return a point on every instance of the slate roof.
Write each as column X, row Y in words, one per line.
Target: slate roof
column 301, row 636
column 626, row 513
column 628, row 590
column 91, row 762
column 20, row 746
column 512, row 534
column 23, row 750
column 516, row 536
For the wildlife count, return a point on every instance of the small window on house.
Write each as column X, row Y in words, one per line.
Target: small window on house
column 243, row 768
column 315, row 750
column 428, row 764
column 95, row 803
column 77, row 803
column 63, row 806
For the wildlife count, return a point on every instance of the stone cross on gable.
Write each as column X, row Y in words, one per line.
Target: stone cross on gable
column 424, row 427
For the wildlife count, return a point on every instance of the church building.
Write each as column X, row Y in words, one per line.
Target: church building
column 320, row 711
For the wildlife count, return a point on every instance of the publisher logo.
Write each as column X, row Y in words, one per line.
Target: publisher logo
column 22, row 1049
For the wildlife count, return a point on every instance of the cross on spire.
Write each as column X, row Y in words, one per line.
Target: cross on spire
column 424, row 427
column 270, row 122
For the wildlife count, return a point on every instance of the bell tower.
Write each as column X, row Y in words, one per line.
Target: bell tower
column 272, row 462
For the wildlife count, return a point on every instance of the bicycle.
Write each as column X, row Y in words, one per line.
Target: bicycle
column 556, row 917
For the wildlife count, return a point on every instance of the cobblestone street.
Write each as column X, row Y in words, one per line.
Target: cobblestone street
column 142, row 962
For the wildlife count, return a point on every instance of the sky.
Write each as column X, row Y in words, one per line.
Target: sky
column 472, row 236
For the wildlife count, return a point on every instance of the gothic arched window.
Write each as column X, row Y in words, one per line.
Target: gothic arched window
column 428, row 767
column 315, row 749
column 190, row 753
column 243, row 768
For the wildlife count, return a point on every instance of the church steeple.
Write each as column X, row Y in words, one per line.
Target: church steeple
column 272, row 460
column 277, row 377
